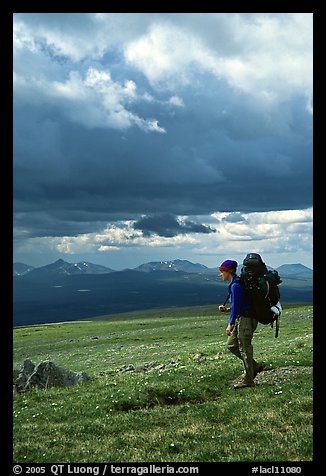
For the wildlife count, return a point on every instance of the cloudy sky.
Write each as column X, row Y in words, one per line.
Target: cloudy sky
column 141, row 137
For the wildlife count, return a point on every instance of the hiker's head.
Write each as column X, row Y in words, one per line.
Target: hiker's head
column 228, row 269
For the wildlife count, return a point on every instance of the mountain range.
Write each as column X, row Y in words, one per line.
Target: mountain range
column 61, row 267
column 63, row 291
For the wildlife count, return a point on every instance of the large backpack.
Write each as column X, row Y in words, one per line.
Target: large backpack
column 262, row 289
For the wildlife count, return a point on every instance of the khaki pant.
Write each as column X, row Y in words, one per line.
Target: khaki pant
column 239, row 343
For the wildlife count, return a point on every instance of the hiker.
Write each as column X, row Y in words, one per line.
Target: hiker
column 241, row 326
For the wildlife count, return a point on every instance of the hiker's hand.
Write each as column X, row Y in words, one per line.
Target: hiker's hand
column 224, row 309
column 229, row 329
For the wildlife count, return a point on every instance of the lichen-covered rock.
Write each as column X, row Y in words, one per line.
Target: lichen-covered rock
column 199, row 357
column 280, row 374
column 46, row 374
column 21, row 375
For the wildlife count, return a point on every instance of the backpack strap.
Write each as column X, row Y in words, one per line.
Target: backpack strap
column 236, row 280
column 227, row 298
column 277, row 326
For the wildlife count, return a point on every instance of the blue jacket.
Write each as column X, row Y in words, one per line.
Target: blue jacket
column 239, row 299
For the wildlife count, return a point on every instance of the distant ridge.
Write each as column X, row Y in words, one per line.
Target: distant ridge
column 21, row 268
column 175, row 265
column 295, row 270
column 63, row 268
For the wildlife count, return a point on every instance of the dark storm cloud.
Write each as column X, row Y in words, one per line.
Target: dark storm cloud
column 78, row 175
column 90, row 150
column 168, row 225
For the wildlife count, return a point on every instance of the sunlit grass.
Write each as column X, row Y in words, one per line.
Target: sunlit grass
column 185, row 411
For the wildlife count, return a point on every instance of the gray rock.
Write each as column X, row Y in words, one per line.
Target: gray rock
column 159, row 367
column 140, row 368
column 47, row 374
column 28, row 367
column 279, row 375
column 22, row 375
column 127, row 368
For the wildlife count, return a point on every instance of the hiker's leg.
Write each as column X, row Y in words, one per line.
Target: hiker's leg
column 246, row 329
column 232, row 342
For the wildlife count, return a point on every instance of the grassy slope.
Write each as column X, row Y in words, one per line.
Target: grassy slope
column 188, row 411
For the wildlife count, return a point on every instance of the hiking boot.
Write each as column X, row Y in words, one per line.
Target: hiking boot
column 244, row 383
column 257, row 368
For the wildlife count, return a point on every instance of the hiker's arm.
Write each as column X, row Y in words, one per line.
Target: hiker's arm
column 237, row 293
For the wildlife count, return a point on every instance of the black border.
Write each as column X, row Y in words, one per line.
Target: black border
column 7, row 12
